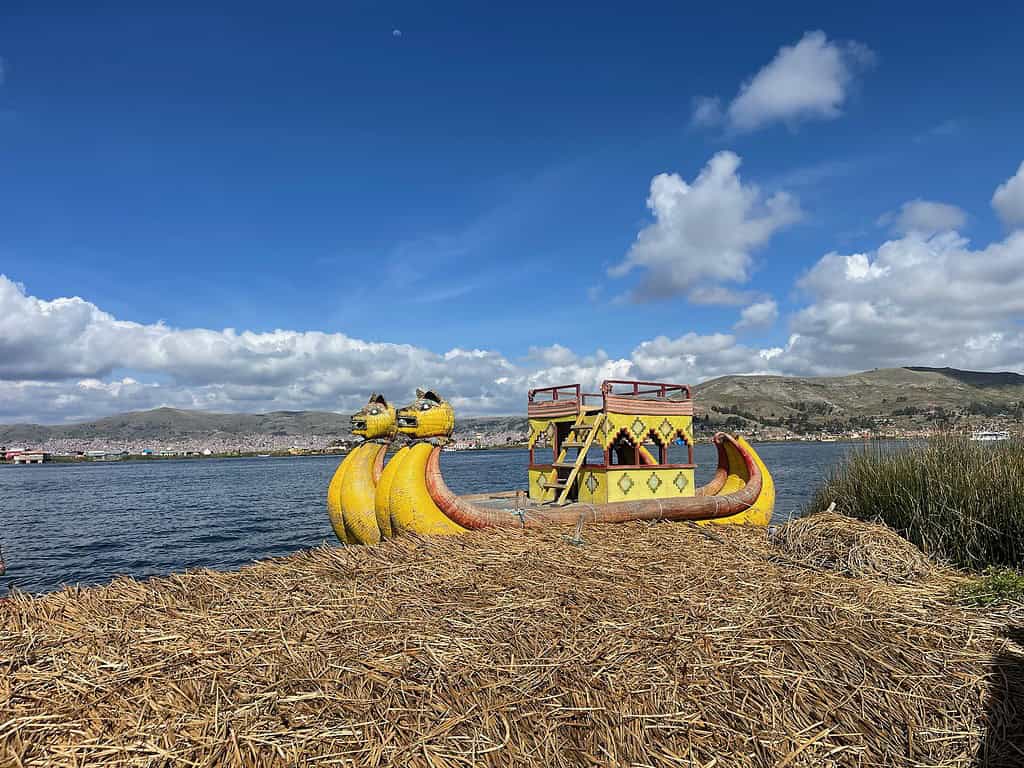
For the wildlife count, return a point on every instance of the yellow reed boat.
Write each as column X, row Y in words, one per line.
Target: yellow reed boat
column 608, row 461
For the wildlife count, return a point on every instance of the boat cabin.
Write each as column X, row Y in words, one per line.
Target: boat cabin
column 612, row 445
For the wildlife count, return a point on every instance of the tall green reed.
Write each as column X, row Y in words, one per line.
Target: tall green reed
column 957, row 500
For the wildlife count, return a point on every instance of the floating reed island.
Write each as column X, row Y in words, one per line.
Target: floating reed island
column 661, row 645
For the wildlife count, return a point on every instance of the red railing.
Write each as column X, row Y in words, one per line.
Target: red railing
column 553, row 392
column 659, row 389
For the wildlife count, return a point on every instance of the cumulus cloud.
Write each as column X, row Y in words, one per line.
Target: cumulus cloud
column 810, row 80
column 704, row 233
column 761, row 314
column 925, row 217
column 63, row 359
column 1008, row 199
column 917, row 299
column 693, row 358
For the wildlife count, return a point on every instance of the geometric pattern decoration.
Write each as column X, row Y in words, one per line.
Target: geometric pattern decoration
column 592, row 483
column 681, row 482
column 663, row 429
column 625, row 484
column 540, row 427
column 654, row 482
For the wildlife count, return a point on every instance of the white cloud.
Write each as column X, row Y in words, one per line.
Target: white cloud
column 63, row 359
column 1008, row 199
column 761, row 314
column 805, row 81
column 916, row 300
column 692, row 358
column 703, row 233
column 925, row 218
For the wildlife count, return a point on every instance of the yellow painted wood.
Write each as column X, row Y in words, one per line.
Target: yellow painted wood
column 581, row 457
column 663, row 429
column 334, row 510
column 596, row 477
column 382, row 494
column 375, row 420
column 357, row 494
column 430, row 414
column 760, row 512
column 648, row 483
column 412, row 509
column 535, row 491
column 539, row 427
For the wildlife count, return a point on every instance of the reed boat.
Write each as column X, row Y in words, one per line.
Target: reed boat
column 592, row 458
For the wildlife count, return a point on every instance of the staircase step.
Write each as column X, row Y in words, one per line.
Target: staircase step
column 572, row 444
column 580, row 427
column 564, row 464
column 549, row 484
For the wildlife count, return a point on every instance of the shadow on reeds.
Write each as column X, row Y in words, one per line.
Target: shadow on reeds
column 1003, row 743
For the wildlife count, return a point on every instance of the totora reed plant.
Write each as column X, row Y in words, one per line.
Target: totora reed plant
column 958, row 500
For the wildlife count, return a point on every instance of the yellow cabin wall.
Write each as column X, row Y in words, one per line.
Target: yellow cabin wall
column 599, row 485
column 648, row 483
column 664, row 428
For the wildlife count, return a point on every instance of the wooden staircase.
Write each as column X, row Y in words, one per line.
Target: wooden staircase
column 581, row 437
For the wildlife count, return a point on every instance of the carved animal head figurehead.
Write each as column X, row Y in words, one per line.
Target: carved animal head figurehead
column 429, row 415
column 376, row 419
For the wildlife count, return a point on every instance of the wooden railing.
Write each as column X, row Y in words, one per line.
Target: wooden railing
column 659, row 389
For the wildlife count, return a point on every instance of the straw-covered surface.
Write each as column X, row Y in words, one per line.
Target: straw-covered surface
column 650, row 645
column 866, row 550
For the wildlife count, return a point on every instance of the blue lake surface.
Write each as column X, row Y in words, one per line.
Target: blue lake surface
column 87, row 523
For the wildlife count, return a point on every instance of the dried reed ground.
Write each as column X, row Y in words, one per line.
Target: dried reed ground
column 871, row 550
column 651, row 645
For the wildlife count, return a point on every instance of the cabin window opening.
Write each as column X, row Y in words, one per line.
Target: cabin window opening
column 624, row 453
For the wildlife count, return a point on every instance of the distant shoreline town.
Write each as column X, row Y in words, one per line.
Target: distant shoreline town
column 883, row 404
column 257, row 445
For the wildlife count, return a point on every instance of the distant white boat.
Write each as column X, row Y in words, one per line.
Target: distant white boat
column 262, row 455
column 990, row 436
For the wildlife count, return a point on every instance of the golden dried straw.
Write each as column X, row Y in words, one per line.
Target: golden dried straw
column 870, row 550
column 651, row 645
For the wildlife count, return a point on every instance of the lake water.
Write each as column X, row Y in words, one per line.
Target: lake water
column 86, row 523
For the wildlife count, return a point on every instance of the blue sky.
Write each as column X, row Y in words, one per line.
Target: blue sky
column 464, row 177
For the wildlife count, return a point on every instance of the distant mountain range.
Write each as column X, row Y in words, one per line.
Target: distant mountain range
column 169, row 424
column 887, row 392
column 899, row 393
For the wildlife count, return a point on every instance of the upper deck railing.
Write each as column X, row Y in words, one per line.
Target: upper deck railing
column 552, row 402
column 658, row 389
column 646, row 397
column 563, row 392
column 616, row 395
